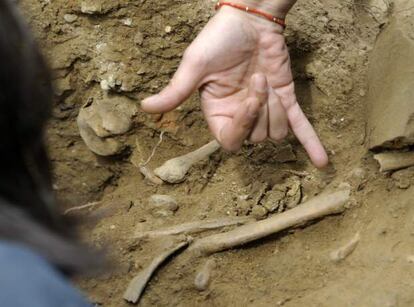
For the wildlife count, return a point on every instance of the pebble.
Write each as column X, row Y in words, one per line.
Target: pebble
column 259, row 212
column 162, row 205
column 168, row 29
column 69, row 18
column 127, row 22
column 88, row 8
column 410, row 259
column 202, row 279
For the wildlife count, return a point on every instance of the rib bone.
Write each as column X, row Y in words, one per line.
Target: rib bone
column 138, row 284
column 194, row 227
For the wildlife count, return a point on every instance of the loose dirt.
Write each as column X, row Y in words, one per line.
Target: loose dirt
column 130, row 49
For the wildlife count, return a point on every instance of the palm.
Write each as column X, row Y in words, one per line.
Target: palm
column 249, row 47
column 222, row 62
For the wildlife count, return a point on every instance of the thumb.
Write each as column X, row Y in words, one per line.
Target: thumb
column 185, row 81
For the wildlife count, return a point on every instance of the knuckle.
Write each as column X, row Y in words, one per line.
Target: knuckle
column 258, row 138
column 279, row 135
column 230, row 147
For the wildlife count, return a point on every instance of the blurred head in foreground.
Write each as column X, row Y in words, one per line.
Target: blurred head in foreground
column 28, row 212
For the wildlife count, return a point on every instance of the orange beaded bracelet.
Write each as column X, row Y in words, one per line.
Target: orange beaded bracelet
column 279, row 21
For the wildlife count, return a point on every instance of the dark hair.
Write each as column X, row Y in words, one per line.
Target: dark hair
column 28, row 210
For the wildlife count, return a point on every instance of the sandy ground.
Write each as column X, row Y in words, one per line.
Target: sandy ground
column 131, row 48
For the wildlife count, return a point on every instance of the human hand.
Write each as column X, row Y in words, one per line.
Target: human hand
column 241, row 65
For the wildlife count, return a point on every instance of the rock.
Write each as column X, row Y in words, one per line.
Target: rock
column 105, row 118
column 203, row 277
column 162, row 205
column 62, row 86
column 139, row 38
column 410, row 259
column 91, row 7
column 100, row 146
column 259, row 212
column 391, row 86
column 404, row 178
column 98, row 7
column 127, row 22
column 70, row 18
column 244, row 207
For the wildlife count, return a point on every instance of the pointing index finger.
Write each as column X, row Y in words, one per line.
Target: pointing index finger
column 302, row 128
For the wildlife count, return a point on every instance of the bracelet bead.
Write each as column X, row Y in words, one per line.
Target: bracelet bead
column 277, row 20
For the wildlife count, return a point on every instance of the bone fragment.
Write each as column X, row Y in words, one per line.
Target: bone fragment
column 392, row 161
column 203, row 277
column 194, row 227
column 138, row 284
column 149, row 175
column 320, row 206
column 346, row 250
column 87, row 206
column 174, row 170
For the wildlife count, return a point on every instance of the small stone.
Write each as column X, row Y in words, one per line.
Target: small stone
column 69, row 18
column 162, row 205
column 112, row 227
column 139, row 38
column 105, row 85
column 243, row 207
column 202, row 279
column 259, row 212
column 127, row 22
column 168, row 29
column 91, row 8
column 243, row 197
column 404, row 178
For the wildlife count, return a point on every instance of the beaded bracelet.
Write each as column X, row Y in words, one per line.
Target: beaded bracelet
column 277, row 20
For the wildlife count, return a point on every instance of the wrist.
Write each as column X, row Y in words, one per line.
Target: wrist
column 278, row 8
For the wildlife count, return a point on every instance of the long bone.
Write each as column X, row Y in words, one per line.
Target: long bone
column 174, row 170
column 392, row 161
column 320, row 206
